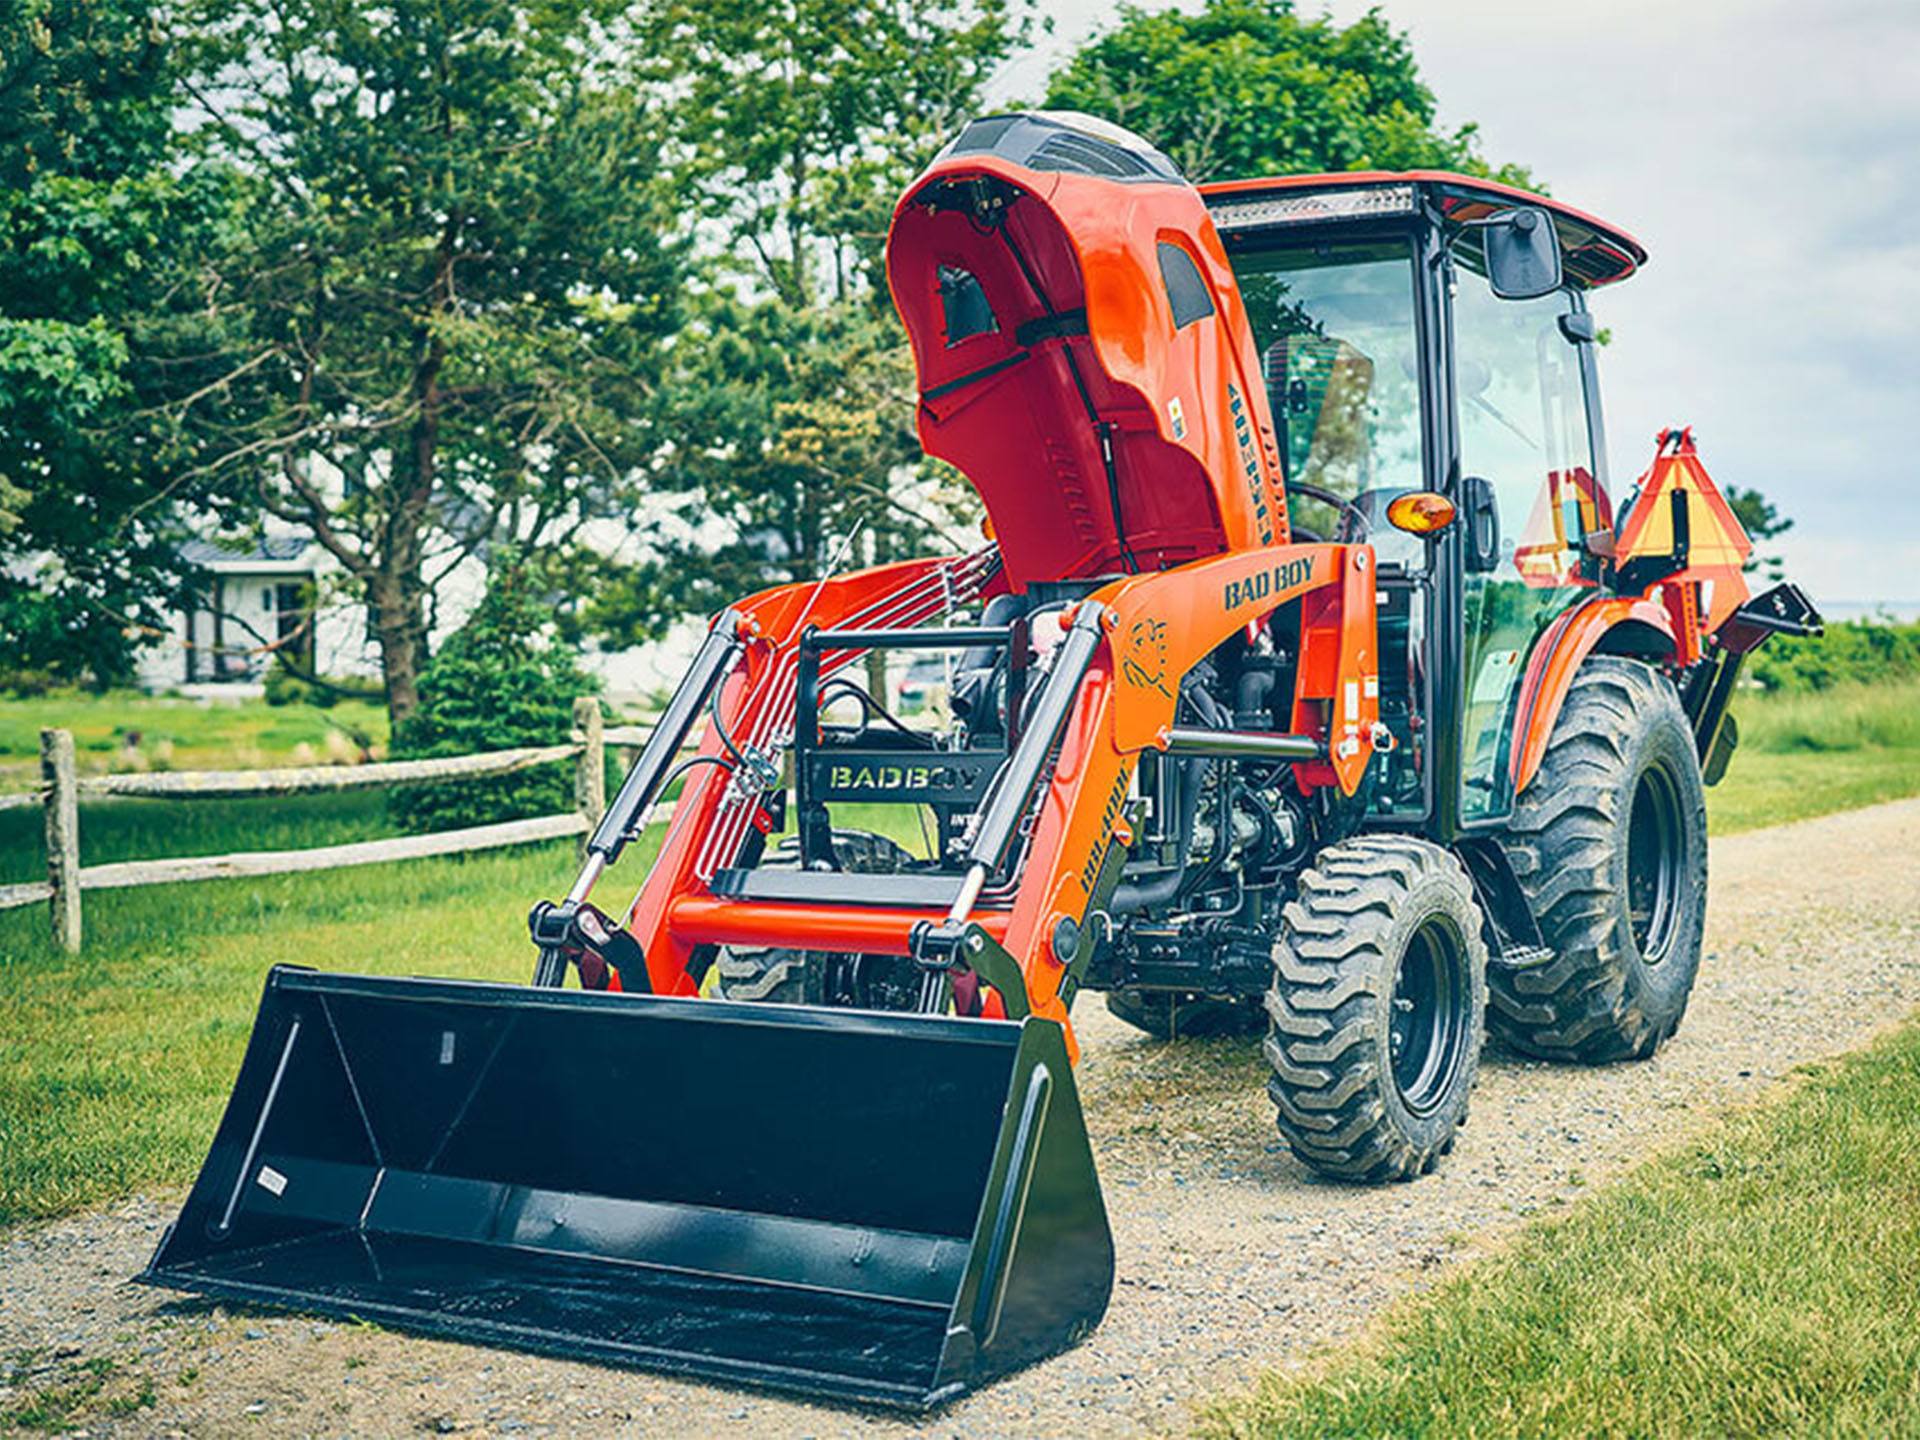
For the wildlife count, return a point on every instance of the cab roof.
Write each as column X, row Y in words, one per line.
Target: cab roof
column 1596, row 253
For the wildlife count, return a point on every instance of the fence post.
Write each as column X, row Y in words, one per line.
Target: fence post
column 590, row 766
column 57, row 769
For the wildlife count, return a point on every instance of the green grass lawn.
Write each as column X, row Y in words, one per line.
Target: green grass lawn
column 1758, row 1282
column 180, row 734
column 116, row 828
column 117, row 1061
column 1812, row 754
column 1763, row 789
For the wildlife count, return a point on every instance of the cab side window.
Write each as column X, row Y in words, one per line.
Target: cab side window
column 1523, row 430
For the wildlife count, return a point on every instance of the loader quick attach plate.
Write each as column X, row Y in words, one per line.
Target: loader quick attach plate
column 879, row 1209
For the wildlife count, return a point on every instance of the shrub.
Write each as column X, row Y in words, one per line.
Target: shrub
column 494, row 685
column 1854, row 651
column 283, row 687
column 286, row 685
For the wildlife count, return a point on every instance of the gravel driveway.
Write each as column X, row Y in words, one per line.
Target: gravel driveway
column 1231, row 1258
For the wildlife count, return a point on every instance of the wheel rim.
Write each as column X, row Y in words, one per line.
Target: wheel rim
column 1428, row 1033
column 1655, row 850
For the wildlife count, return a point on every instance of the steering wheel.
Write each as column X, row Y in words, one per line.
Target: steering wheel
column 1353, row 514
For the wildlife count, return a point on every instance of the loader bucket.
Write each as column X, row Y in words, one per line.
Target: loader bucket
column 872, row 1208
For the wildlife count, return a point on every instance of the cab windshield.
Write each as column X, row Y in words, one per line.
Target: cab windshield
column 1336, row 330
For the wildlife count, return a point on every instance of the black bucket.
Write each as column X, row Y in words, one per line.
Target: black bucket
column 874, row 1208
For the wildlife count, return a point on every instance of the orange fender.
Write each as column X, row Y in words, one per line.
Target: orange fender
column 1558, row 657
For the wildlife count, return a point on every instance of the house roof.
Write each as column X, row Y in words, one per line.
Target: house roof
column 270, row 554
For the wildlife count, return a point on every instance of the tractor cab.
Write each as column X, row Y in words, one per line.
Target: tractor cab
column 1428, row 332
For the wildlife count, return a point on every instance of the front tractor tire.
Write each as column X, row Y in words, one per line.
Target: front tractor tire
column 1377, row 1008
column 1609, row 844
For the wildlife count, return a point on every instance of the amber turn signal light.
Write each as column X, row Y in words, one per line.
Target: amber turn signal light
column 1421, row 513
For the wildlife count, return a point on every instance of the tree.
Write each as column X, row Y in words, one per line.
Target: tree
column 104, row 329
column 791, row 409
column 797, row 124
column 494, row 685
column 794, row 430
column 1246, row 88
column 1762, row 520
column 457, row 294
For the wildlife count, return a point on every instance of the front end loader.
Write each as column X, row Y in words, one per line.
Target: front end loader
column 1309, row 686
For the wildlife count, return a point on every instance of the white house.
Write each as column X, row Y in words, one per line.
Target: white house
column 279, row 593
column 258, row 599
column 283, row 593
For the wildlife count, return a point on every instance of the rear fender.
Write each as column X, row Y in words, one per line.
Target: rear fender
column 1613, row 625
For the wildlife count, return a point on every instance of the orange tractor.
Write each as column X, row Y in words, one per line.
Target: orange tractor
column 1311, row 686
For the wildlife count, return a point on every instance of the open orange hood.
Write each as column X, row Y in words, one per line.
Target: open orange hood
column 1082, row 351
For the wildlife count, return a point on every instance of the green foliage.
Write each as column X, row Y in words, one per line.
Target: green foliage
column 791, row 398
column 1762, row 520
column 1247, row 88
column 794, row 427
column 797, row 126
column 493, row 686
column 106, row 329
column 1851, row 652
column 283, row 687
column 289, row 683
column 454, row 291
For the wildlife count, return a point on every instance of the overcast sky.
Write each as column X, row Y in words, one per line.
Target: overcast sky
column 1767, row 154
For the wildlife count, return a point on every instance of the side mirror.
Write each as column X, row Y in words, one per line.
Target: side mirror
column 1523, row 254
column 1482, row 516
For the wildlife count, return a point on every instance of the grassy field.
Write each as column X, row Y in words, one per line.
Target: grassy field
column 1812, row 754
column 118, row 1060
column 115, row 828
column 110, row 730
column 1758, row 1282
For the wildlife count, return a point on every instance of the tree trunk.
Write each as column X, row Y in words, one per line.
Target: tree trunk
column 397, row 610
column 398, row 592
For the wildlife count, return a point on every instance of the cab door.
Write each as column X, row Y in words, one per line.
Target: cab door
column 1531, row 489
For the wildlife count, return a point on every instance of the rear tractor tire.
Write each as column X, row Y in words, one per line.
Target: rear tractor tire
column 1609, row 844
column 1378, row 1008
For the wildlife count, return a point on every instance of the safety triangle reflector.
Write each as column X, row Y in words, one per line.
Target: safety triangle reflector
column 1717, row 546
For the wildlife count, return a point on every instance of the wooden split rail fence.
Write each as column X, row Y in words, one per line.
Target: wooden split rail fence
column 62, row 786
